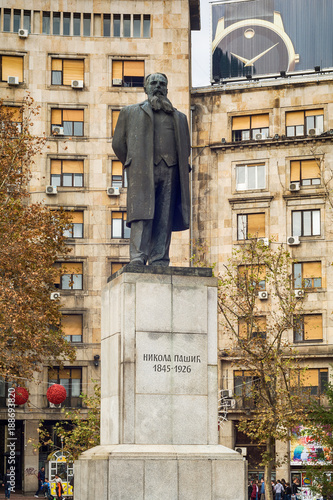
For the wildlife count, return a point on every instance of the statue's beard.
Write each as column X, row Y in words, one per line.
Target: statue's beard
column 158, row 102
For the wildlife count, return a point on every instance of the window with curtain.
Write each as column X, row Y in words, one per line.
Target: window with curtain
column 76, row 229
column 251, row 328
column 11, row 66
column 250, row 226
column 115, row 266
column 249, row 126
column 118, row 175
column 70, row 276
column 308, row 328
column 306, row 223
column 67, row 173
column 307, row 275
column 307, row 172
column 118, row 225
column 130, row 73
column 250, row 177
column 72, row 326
column 313, row 381
column 305, row 122
column 70, row 119
column 63, row 71
column 71, row 379
column 252, row 276
column 114, row 118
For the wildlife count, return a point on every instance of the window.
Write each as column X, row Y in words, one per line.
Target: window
column 115, row 266
column 6, row 19
column 70, row 276
column 127, row 25
column 307, row 172
column 76, row 229
column 146, row 26
column 46, row 23
column 249, row 127
column 70, row 119
column 136, row 25
column 250, row 177
column 307, row 275
column 308, row 328
column 86, row 24
column 309, row 122
column 116, row 25
column 11, row 66
column 27, row 20
column 4, row 387
column 77, row 24
column 114, row 117
column 72, row 326
column 244, row 386
column 252, row 328
column 118, row 225
column 66, row 23
column 306, row 223
column 63, row 71
column 56, row 23
column 118, row 176
column 67, row 173
column 14, row 115
column 17, row 20
column 106, row 25
column 71, row 379
column 252, row 276
column 313, row 381
column 130, row 73
column 250, row 226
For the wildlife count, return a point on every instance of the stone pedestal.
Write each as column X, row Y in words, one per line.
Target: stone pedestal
column 159, row 435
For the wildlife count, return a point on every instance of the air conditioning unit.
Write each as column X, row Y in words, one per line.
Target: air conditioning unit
column 77, row 84
column 313, row 131
column 23, row 33
column 229, row 403
column 259, row 137
column 113, row 191
column 241, row 451
column 13, row 80
column 293, row 240
column 51, row 190
column 55, row 296
column 264, row 241
column 226, row 393
column 52, row 405
column 295, row 186
column 56, row 130
column 117, row 82
column 299, row 294
column 263, row 295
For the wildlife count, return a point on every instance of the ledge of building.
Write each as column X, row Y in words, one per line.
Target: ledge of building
column 169, row 271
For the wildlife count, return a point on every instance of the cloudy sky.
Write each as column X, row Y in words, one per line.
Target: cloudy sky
column 201, row 48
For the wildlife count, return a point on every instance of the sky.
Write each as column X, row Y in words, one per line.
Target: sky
column 201, row 47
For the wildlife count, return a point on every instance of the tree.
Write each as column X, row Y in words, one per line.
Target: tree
column 31, row 239
column 80, row 430
column 258, row 343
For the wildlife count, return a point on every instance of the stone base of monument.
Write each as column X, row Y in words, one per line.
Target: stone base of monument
column 160, row 472
column 159, row 433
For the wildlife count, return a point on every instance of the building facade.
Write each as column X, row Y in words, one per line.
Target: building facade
column 81, row 62
column 262, row 165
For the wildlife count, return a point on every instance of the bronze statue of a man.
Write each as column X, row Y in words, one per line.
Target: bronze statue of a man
column 152, row 141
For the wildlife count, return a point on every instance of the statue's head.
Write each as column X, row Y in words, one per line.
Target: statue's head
column 156, row 84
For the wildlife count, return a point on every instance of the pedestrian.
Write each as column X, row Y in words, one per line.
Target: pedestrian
column 288, row 491
column 46, row 489
column 262, row 489
column 249, row 490
column 294, row 488
column 254, row 494
column 278, row 490
column 6, row 484
column 41, row 480
column 273, row 488
column 59, row 488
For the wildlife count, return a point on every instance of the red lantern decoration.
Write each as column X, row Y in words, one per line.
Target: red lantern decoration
column 21, row 395
column 56, row 394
